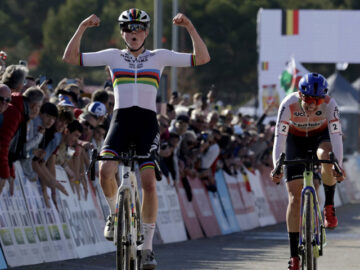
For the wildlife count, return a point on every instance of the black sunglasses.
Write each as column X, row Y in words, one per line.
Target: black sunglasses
column 4, row 99
column 133, row 27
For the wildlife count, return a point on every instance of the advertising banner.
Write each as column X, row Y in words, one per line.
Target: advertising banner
column 203, row 208
column 261, row 204
column 277, row 204
column 169, row 221
column 241, row 213
column 219, row 213
column 19, row 240
column 48, row 225
column 86, row 225
column 188, row 212
column 226, row 201
column 248, row 199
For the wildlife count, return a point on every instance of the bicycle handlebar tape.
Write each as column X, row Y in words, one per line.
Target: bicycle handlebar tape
column 279, row 163
column 335, row 162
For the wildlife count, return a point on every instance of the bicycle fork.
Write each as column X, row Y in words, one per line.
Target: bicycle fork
column 319, row 239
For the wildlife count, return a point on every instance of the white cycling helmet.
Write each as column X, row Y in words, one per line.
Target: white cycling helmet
column 97, row 109
column 134, row 15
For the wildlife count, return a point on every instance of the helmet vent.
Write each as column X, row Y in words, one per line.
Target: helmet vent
column 315, row 87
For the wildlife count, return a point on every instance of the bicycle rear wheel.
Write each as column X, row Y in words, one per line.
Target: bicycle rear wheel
column 308, row 255
column 123, row 231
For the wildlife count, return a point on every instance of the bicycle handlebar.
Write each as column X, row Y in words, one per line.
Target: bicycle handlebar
column 126, row 158
column 281, row 161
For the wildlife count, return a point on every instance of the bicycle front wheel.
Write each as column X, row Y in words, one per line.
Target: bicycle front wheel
column 123, row 231
column 136, row 263
column 308, row 258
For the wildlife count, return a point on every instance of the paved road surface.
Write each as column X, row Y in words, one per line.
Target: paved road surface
column 262, row 248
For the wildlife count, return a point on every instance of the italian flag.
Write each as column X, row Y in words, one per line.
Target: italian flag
column 291, row 76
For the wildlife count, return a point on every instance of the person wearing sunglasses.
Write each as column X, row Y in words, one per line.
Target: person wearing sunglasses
column 308, row 120
column 5, row 99
column 135, row 73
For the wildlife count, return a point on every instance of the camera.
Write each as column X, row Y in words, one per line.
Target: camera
column 203, row 137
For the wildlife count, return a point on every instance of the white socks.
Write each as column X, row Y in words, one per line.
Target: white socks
column 112, row 204
column 149, row 229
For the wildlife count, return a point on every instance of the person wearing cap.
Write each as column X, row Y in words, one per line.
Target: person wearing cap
column 197, row 121
column 64, row 101
column 180, row 125
column 135, row 73
column 70, row 95
column 98, row 110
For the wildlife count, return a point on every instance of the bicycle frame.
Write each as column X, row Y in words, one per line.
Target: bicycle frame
column 318, row 227
column 128, row 195
column 128, row 182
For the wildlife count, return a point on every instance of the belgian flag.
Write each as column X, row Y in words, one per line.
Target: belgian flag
column 265, row 65
column 289, row 22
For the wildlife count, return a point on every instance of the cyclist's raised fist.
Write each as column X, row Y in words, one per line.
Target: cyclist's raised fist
column 181, row 20
column 91, row 21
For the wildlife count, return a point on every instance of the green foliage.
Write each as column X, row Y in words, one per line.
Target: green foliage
column 228, row 27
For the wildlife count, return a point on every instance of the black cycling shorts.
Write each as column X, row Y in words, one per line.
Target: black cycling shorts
column 136, row 126
column 297, row 148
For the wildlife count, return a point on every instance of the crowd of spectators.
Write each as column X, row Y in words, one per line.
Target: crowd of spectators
column 43, row 126
column 200, row 136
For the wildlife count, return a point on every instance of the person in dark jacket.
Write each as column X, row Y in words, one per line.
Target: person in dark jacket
column 13, row 131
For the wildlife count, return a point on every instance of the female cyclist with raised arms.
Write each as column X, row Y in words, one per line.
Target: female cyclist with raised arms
column 308, row 120
column 135, row 74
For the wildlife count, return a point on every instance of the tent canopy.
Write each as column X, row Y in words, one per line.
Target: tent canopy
column 345, row 95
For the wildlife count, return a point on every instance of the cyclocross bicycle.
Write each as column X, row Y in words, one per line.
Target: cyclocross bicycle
column 312, row 237
column 127, row 224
